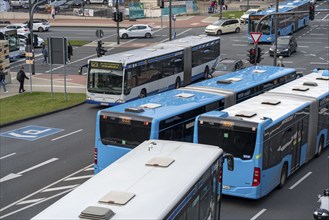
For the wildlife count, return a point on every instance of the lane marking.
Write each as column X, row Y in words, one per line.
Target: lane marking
column 30, row 201
column 258, row 214
column 60, row 188
column 79, row 177
column 14, row 175
column 299, row 181
column 9, row 155
column 67, row 135
column 46, row 187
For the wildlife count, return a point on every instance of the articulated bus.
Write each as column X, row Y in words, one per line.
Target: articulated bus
column 134, row 74
column 271, row 135
column 13, row 41
column 170, row 115
column 287, row 24
column 156, row 180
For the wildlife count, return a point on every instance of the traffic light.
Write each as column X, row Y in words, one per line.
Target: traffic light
column 100, row 50
column 115, row 17
column 312, row 12
column 120, row 16
column 252, row 55
column 259, row 54
column 161, row 3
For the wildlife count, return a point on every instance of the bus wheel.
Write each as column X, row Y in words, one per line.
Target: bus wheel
column 206, row 73
column 143, row 93
column 283, row 178
column 321, row 143
column 177, row 83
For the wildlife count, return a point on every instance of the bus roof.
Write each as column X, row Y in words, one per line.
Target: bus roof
column 284, row 7
column 156, row 189
column 156, row 50
column 245, row 78
column 313, row 85
column 166, row 104
column 281, row 101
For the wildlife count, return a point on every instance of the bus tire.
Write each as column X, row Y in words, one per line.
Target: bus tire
column 206, row 72
column 143, row 93
column 320, row 148
column 125, row 36
column 283, row 177
column 177, row 83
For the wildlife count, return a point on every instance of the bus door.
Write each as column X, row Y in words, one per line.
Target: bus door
column 187, row 66
column 296, row 146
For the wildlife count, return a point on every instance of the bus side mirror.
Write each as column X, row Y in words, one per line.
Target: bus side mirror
column 230, row 161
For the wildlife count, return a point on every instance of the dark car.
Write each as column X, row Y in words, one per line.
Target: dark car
column 286, row 46
column 226, row 66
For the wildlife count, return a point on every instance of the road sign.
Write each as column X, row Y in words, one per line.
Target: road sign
column 99, row 33
column 256, row 36
column 29, row 61
column 31, row 132
column 28, row 54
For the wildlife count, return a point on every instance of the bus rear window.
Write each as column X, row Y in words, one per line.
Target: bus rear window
column 239, row 141
column 124, row 132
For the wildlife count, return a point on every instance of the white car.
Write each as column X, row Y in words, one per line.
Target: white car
column 23, row 39
column 224, row 26
column 136, row 30
column 19, row 3
column 244, row 18
column 40, row 25
column 21, row 28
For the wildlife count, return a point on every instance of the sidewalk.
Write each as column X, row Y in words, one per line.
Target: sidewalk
column 42, row 83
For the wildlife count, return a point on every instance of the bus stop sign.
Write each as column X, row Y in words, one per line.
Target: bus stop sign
column 256, row 36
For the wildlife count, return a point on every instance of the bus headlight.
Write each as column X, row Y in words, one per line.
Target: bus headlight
column 268, row 39
column 120, row 101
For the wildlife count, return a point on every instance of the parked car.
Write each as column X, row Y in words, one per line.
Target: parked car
column 224, row 26
column 23, row 39
column 137, row 30
column 226, row 66
column 245, row 17
column 40, row 25
column 57, row 3
column 286, row 45
column 21, row 28
column 19, row 3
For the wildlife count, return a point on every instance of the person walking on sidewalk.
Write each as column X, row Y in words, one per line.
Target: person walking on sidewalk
column 3, row 80
column 53, row 12
column 21, row 76
column 69, row 52
column 44, row 53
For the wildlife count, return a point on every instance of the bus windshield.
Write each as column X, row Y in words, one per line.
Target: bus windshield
column 239, row 142
column 264, row 27
column 115, row 131
column 105, row 80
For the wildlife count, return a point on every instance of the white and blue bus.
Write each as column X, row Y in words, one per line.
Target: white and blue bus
column 170, row 115
column 271, row 135
column 13, row 41
column 287, row 23
column 156, row 180
column 133, row 74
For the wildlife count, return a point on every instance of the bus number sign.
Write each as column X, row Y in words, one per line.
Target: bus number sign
column 106, row 65
column 126, row 120
column 228, row 124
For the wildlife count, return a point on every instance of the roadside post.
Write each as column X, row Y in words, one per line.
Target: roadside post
column 255, row 37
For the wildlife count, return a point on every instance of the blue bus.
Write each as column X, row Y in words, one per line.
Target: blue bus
column 13, row 43
column 271, row 135
column 170, row 115
column 287, row 23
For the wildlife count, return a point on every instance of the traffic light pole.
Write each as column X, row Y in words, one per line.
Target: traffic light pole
column 117, row 12
column 170, row 31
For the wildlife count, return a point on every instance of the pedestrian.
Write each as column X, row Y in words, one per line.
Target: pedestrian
column 44, row 53
column 21, row 76
column 53, row 12
column 3, row 80
column 226, row 7
column 69, row 51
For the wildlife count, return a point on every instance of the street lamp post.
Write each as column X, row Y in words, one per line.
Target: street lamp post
column 170, row 31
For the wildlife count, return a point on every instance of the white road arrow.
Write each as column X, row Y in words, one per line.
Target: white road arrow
column 14, row 175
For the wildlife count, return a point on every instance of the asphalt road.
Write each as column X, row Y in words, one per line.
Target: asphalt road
column 32, row 172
